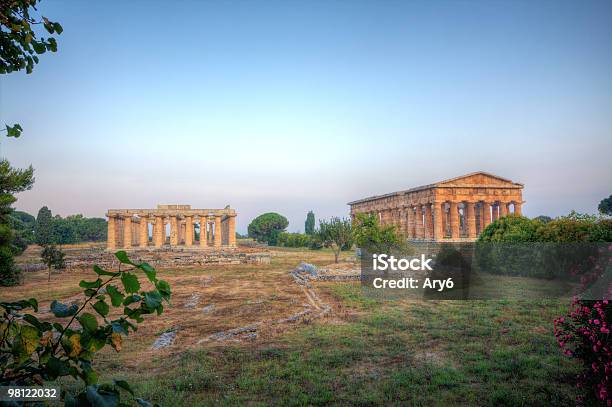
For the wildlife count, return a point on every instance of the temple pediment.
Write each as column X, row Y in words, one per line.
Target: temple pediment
column 477, row 178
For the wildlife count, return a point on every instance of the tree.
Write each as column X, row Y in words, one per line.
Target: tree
column 53, row 257
column 336, row 234
column 44, row 227
column 605, row 206
column 369, row 235
column 267, row 227
column 309, row 225
column 20, row 43
column 543, row 218
column 35, row 351
column 12, row 180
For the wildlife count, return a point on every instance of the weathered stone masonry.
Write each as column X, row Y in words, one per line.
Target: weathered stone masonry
column 457, row 209
column 129, row 228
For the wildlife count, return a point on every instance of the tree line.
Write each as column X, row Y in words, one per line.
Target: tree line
column 47, row 229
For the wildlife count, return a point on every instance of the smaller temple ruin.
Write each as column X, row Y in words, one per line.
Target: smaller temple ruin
column 129, row 228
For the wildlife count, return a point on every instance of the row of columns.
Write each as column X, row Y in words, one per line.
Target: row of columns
column 128, row 232
column 447, row 220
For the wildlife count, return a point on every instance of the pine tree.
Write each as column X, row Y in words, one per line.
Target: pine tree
column 12, row 180
column 44, row 227
column 309, row 225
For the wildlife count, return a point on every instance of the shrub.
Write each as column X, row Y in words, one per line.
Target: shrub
column 584, row 334
column 293, row 240
column 512, row 228
column 267, row 227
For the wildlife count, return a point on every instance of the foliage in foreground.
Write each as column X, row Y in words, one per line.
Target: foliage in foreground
column 34, row 351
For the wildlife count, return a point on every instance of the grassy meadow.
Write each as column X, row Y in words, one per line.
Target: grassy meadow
column 364, row 352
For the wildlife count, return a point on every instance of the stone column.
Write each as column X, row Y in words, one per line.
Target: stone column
column 217, row 231
column 111, row 240
column 231, row 238
column 418, row 217
column 438, row 221
column 127, row 232
column 203, row 238
column 158, row 231
column 402, row 221
column 144, row 231
column 503, row 209
column 454, row 220
column 188, row 231
column 518, row 208
column 173, row 230
column 486, row 215
column 471, row 220
column 428, row 222
column 411, row 223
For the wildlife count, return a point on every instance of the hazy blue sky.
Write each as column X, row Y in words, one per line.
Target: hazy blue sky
column 295, row 105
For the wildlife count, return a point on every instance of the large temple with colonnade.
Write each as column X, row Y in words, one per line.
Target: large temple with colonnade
column 456, row 209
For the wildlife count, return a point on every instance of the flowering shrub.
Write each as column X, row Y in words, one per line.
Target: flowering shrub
column 584, row 333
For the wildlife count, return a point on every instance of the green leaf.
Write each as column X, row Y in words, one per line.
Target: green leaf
column 58, row 28
column 130, row 299
column 164, row 289
column 57, row 368
column 90, row 284
column 62, row 310
column 52, row 45
column 152, row 299
column 39, row 47
column 149, row 271
column 124, row 385
column 101, row 308
column 41, row 326
column 88, row 322
column 21, row 305
column 130, row 282
column 123, row 257
column 14, row 131
column 101, row 272
column 116, row 296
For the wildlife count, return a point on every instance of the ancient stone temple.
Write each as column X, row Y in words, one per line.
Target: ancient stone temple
column 457, row 209
column 129, row 228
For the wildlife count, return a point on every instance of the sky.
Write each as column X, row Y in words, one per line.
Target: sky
column 293, row 106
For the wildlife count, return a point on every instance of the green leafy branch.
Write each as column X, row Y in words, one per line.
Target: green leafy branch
column 34, row 351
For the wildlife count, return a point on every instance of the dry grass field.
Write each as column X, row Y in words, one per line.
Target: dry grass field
column 363, row 352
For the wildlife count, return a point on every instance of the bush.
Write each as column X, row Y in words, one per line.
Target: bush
column 293, row 240
column 267, row 228
column 584, row 334
column 512, row 228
